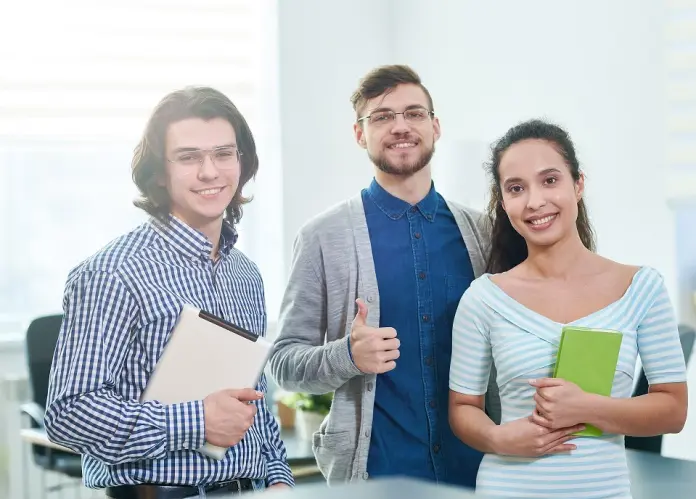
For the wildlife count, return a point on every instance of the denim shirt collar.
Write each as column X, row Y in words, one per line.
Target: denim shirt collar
column 396, row 208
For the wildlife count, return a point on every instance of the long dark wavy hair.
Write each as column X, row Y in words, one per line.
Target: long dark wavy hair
column 508, row 248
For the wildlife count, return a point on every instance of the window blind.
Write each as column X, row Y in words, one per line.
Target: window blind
column 82, row 69
column 78, row 80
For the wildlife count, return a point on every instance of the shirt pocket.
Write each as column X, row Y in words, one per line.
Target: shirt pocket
column 334, row 455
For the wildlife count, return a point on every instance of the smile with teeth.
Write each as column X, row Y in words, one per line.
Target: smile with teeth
column 209, row 192
column 542, row 221
column 402, row 145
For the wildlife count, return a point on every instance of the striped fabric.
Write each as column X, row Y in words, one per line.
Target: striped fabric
column 491, row 325
column 120, row 306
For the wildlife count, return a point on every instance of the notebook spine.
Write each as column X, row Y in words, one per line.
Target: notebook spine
column 228, row 325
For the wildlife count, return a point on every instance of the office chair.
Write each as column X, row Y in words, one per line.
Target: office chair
column 687, row 335
column 41, row 339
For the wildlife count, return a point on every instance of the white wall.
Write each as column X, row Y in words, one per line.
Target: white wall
column 322, row 57
column 593, row 66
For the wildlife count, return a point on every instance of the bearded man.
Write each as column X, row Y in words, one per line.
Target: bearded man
column 374, row 286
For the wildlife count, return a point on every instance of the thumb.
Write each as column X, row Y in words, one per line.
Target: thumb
column 361, row 316
column 245, row 394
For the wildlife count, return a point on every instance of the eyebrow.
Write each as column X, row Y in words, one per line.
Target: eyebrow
column 412, row 106
column 194, row 149
column 513, row 180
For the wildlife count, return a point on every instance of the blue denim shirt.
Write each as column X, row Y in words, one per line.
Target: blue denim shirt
column 423, row 268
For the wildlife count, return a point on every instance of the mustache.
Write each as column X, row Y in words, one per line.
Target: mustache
column 404, row 138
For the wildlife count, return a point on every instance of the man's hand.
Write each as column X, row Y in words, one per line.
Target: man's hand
column 559, row 403
column 522, row 437
column 228, row 415
column 374, row 349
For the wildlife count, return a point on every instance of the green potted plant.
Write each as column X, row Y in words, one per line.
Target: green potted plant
column 310, row 411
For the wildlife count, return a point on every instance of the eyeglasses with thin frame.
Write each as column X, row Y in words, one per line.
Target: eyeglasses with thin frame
column 382, row 117
column 190, row 160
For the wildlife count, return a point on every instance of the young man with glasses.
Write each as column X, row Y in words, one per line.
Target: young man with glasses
column 395, row 259
column 121, row 304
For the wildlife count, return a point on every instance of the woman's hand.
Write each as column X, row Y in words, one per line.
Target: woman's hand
column 522, row 437
column 559, row 403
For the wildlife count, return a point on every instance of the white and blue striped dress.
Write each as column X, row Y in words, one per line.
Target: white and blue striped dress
column 490, row 326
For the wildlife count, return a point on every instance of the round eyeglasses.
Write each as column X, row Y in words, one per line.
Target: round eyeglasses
column 189, row 161
column 413, row 115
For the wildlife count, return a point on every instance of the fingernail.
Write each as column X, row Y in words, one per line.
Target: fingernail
column 260, row 394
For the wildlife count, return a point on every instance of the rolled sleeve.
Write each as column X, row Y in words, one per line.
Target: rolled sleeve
column 279, row 472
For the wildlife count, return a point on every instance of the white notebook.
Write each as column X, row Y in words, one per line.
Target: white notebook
column 206, row 354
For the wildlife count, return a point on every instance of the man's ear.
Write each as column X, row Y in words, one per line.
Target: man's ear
column 359, row 135
column 437, row 132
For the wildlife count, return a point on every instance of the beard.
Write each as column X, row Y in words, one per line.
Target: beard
column 403, row 170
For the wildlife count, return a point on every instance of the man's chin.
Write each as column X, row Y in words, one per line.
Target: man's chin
column 400, row 170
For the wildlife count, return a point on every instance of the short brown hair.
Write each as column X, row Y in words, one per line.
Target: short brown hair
column 148, row 165
column 384, row 79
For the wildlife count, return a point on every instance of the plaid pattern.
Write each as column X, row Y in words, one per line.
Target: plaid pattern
column 120, row 306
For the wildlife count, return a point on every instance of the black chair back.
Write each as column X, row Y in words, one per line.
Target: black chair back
column 687, row 335
column 41, row 339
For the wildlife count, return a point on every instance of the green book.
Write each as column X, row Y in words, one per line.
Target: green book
column 588, row 358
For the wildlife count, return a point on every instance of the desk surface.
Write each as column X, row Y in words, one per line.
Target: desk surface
column 652, row 477
column 383, row 488
column 38, row 437
column 299, row 449
column 655, row 476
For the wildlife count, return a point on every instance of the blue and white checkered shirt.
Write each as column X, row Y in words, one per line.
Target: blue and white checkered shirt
column 120, row 306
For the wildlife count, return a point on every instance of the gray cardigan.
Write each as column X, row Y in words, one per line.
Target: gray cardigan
column 332, row 266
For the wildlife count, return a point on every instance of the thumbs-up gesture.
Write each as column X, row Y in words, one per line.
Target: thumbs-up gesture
column 374, row 349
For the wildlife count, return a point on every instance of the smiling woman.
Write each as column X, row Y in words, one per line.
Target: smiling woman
column 544, row 275
column 544, row 155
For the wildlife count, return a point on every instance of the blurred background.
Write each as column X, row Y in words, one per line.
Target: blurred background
column 78, row 79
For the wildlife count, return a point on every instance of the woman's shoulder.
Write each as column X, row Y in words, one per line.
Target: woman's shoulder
column 639, row 282
column 635, row 275
column 481, row 291
column 479, row 284
column 474, row 293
